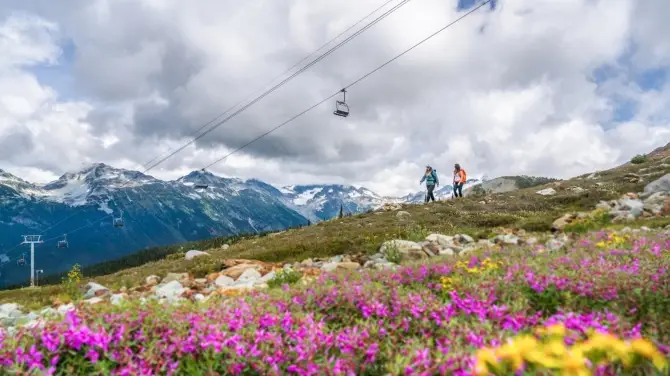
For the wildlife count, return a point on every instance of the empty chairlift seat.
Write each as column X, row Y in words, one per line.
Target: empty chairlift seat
column 341, row 107
column 63, row 243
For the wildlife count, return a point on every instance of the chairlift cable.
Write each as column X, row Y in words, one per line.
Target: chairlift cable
column 384, row 15
column 350, row 85
column 348, row 39
column 324, row 100
column 280, row 75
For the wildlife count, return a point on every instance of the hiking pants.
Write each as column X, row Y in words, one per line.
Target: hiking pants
column 429, row 195
column 458, row 189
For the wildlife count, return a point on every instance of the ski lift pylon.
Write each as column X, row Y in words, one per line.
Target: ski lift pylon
column 341, row 107
column 118, row 222
column 63, row 243
column 200, row 184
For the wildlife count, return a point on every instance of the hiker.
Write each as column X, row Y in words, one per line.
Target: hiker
column 431, row 181
column 459, row 180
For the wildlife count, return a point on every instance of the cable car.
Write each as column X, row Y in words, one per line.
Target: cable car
column 21, row 261
column 63, row 243
column 201, row 183
column 118, row 222
column 341, row 107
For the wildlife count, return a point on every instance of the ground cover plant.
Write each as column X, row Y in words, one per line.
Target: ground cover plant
column 600, row 307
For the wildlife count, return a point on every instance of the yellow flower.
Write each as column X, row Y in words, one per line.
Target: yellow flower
column 649, row 351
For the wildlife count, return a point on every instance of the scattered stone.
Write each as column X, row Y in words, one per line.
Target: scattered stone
column 466, row 239
column 660, row 185
column 225, row 247
column 554, row 244
column 408, row 250
column 170, row 277
column 250, row 275
column 403, row 215
column 546, row 192
column 576, row 189
column 190, row 255
column 560, row 223
column 223, row 281
column 170, row 291
column 507, row 239
column 152, row 280
column 94, row 290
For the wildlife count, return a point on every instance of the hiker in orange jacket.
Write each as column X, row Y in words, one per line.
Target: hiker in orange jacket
column 459, row 180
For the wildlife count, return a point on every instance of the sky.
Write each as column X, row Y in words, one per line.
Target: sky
column 546, row 87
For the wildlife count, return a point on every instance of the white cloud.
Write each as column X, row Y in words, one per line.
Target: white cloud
column 515, row 98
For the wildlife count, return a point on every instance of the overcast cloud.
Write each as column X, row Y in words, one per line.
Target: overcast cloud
column 547, row 87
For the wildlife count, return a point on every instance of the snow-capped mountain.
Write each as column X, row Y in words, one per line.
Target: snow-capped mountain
column 320, row 202
column 155, row 212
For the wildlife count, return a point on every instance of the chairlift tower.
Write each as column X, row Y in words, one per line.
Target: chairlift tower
column 37, row 274
column 32, row 240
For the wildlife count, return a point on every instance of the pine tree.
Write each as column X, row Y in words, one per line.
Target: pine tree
column 341, row 214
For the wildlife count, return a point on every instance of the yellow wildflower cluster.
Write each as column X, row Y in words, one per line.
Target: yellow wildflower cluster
column 551, row 353
column 486, row 265
column 449, row 283
column 614, row 240
column 74, row 275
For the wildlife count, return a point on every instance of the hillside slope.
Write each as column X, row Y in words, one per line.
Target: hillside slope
column 363, row 234
column 155, row 212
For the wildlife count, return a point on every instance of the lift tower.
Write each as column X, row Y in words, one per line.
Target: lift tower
column 32, row 240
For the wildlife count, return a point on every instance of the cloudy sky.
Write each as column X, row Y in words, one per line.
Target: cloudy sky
column 543, row 87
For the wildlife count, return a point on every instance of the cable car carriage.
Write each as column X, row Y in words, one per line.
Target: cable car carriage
column 118, row 222
column 63, row 243
column 341, row 107
column 21, row 261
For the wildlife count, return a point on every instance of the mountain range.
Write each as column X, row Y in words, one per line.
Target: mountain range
column 83, row 204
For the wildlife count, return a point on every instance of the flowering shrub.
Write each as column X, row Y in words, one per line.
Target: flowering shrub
column 463, row 316
column 72, row 283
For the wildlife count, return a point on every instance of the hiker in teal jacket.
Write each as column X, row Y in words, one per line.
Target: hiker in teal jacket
column 430, row 177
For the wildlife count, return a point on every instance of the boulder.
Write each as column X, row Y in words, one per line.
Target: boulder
column 170, row 291
column 222, row 281
column 560, row 223
column 170, row 277
column 190, row 255
column 408, row 250
column 93, row 289
column 443, row 240
column 660, row 185
column 546, row 192
column 403, row 215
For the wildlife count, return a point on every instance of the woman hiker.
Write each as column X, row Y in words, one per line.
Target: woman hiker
column 431, row 181
column 459, row 180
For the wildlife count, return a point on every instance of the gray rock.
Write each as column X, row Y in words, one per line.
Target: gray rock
column 223, row 281
column 170, row 291
column 10, row 313
column 446, row 252
column 199, row 297
column 508, row 239
column 117, row 299
column 225, row 247
column 190, row 255
column 440, row 239
column 329, row 267
column 65, row 308
column 660, row 185
column 645, row 228
column 266, row 278
column 546, row 192
column 403, row 214
column 94, row 300
column 95, row 290
column 554, row 244
column 531, row 241
column 465, row 239
column 152, row 280
column 171, row 277
column 634, row 206
column 408, row 250
column 250, row 275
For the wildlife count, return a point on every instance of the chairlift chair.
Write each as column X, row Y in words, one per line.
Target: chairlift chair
column 63, row 243
column 201, row 184
column 22, row 260
column 118, row 222
column 341, row 107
